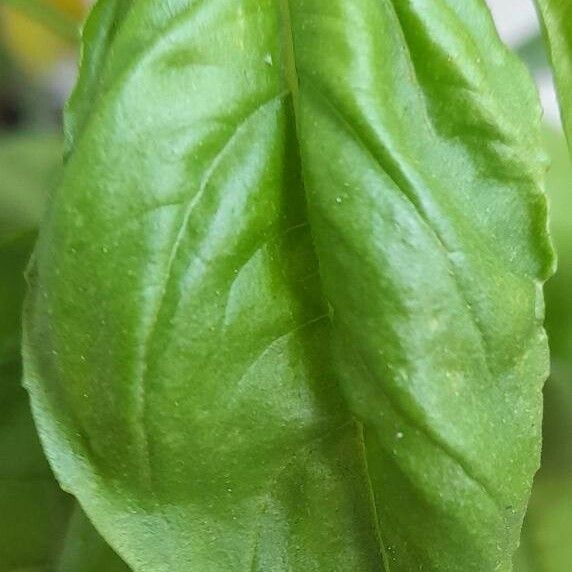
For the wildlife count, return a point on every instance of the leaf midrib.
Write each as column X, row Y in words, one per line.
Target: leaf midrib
column 293, row 85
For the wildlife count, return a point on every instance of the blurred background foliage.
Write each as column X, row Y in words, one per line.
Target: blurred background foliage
column 41, row 528
column 547, row 536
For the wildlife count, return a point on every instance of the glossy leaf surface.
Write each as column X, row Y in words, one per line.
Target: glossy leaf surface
column 286, row 307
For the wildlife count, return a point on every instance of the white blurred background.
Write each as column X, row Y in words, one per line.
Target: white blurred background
column 518, row 24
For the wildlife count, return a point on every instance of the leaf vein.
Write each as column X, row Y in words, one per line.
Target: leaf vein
column 401, row 181
column 141, row 389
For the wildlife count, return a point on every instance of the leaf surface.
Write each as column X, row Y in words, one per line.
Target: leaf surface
column 286, row 311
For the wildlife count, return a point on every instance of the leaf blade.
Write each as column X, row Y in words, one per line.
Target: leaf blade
column 224, row 317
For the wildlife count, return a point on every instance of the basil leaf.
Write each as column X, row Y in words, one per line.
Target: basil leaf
column 556, row 17
column 34, row 511
column 286, row 311
column 97, row 36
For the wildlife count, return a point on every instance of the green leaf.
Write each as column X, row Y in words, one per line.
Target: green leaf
column 34, row 511
column 286, row 311
column 97, row 36
column 556, row 16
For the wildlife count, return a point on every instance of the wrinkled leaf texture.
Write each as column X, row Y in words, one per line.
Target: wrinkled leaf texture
column 286, row 309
